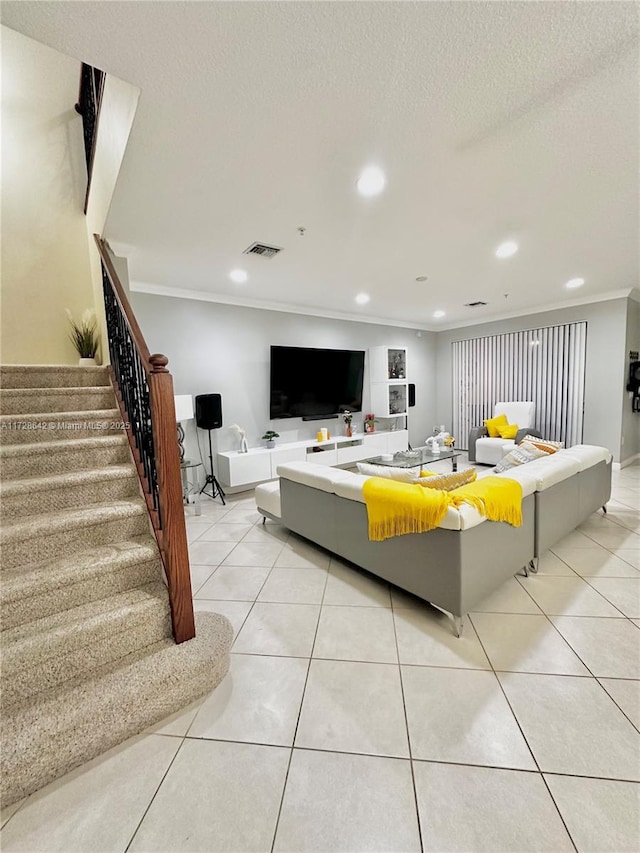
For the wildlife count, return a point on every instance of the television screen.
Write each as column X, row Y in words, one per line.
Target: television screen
column 315, row 383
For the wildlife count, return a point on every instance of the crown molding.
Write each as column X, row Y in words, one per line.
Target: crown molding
column 265, row 305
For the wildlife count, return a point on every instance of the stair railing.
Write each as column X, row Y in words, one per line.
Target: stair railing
column 144, row 390
column 89, row 101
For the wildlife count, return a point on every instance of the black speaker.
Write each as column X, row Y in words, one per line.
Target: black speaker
column 209, row 411
column 412, row 395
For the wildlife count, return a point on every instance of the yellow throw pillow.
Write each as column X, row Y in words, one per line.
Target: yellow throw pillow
column 492, row 425
column 508, row 431
column 447, row 482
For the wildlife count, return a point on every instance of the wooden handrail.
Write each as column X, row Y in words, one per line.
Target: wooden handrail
column 149, row 410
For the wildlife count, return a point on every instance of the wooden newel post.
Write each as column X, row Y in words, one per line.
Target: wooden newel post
column 174, row 529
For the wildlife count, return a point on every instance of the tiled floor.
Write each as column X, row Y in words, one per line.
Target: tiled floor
column 353, row 720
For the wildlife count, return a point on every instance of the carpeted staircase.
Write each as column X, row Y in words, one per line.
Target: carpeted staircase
column 88, row 657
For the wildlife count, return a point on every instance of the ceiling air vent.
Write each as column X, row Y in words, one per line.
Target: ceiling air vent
column 263, row 250
column 474, row 304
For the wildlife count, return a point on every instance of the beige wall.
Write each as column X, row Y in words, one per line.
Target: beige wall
column 45, row 256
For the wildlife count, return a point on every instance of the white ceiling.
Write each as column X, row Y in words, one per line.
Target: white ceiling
column 491, row 120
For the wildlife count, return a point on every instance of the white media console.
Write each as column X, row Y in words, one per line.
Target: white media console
column 261, row 463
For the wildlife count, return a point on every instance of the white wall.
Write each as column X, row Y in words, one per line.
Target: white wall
column 45, row 258
column 606, row 335
column 630, row 439
column 215, row 348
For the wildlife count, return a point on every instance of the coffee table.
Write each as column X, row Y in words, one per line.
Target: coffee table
column 422, row 456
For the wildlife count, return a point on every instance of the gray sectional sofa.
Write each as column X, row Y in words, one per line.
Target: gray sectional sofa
column 467, row 557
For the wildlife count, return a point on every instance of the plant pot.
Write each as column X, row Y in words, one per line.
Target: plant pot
column 271, row 444
column 369, row 427
column 86, row 362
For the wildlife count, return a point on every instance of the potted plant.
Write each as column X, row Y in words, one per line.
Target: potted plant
column 84, row 336
column 369, row 422
column 347, row 417
column 270, row 437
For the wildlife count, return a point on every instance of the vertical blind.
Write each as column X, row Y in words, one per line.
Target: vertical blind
column 544, row 365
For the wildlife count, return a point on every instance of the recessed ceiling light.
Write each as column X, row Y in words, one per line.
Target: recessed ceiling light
column 371, row 181
column 574, row 282
column 239, row 276
column 362, row 298
column 421, row 278
column 438, row 314
column 507, row 249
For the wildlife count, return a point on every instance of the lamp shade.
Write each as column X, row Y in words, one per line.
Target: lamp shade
column 184, row 407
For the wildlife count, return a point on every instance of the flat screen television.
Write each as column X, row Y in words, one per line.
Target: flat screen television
column 315, row 383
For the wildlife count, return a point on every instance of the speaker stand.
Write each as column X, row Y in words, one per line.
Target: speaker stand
column 216, row 488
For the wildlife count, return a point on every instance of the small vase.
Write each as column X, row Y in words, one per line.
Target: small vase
column 86, row 362
column 271, row 444
column 244, row 447
column 368, row 427
column 348, row 432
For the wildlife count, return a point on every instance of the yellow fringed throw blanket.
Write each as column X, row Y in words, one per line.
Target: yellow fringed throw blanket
column 394, row 508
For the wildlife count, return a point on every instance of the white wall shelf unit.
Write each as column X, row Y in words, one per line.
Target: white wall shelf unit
column 261, row 463
column 388, row 379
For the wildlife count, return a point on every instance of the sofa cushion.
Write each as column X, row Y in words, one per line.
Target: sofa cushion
column 489, row 451
column 321, row 477
column 552, row 469
column 389, row 472
column 520, row 412
column 588, row 455
column 268, row 498
column 523, row 475
column 492, row 425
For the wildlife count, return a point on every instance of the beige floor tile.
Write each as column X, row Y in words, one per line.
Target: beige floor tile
column 204, row 553
column 609, row 647
column 200, row 574
column 237, row 583
column 96, row 807
column 269, row 532
column 567, row 597
column 195, row 529
column 591, row 563
column 177, row 724
column 223, row 532
column 629, row 555
column 426, row 638
column 334, row 803
column 508, row 598
column 208, row 511
column 348, row 585
column 550, row 564
column 573, row 727
column 626, row 695
column 235, row 611
column 242, row 515
column 576, row 539
column 623, row 593
column 616, row 537
column 258, row 701
column 520, row 643
column 291, row 586
column 279, row 629
column 338, row 714
column 461, row 716
column 253, row 554
column 567, row 552
column 602, row 816
column 482, row 809
column 218, row 797
column 297, row 554
column 356, row 633
column 8, row 812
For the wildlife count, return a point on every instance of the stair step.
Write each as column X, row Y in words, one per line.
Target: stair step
column 24, row 401
column 46, row 537
column 51, row 426
column 51, row 376
column 18, row 461
column 76, row 579
column 34, row 495
column 42, row 655
column 73, row 724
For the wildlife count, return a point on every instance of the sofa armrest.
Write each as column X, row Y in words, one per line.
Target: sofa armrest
column 527, row 431
column 474, row 435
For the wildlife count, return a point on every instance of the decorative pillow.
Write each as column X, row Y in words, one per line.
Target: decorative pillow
column 492, row 425
column 447, row 482
column 543, row 443
column 403, row 475
column 508, row 431
column 518, row 456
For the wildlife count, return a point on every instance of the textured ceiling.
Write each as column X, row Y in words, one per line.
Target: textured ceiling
column 491, row 121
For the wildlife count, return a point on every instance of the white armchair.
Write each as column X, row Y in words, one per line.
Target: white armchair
column 489, row 451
